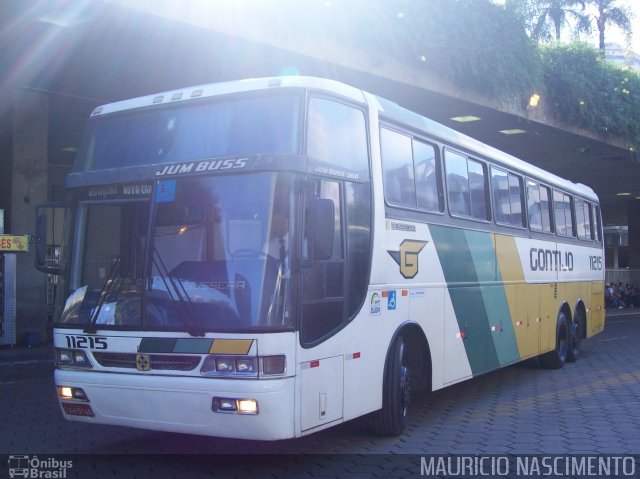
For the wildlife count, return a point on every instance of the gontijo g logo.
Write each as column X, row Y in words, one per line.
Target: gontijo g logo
column 407, row 257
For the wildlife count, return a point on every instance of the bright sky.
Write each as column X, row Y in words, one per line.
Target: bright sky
column 614, row 34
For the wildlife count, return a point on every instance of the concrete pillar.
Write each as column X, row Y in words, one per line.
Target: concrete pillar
column 29, row 188
column 633, row 220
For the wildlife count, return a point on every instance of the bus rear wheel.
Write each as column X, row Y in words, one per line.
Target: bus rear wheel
column 576, row 332
column 556, row 358
column 392, row 418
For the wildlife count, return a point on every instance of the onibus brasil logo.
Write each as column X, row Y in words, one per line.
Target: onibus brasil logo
column 407, row 257
column 35, row 467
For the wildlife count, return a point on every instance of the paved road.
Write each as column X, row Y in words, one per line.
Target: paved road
column 592, row 406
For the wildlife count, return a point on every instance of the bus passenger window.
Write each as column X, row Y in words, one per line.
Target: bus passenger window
column 458, row 184
column 562, row 210
column 397, row 163
column 427, row 176
column 478, row 190
column 507, row 197
column 597, row 223
column 538, row 207
column 583, row 219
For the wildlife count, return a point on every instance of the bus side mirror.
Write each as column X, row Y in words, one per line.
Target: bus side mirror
column 41, row 242
column 323, row 229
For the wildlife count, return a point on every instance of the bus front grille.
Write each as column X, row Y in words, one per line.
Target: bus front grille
column 156, row 361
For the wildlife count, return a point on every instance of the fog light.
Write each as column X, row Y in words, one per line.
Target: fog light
column 223, row 405
column 79, row 394
column 273, row 364
column 247, row 406
column 65, row 392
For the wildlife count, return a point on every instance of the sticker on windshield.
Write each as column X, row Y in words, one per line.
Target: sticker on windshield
column 166, row 192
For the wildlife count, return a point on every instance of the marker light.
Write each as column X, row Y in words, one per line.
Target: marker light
column 273, row 364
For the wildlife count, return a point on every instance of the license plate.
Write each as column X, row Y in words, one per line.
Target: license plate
column 78, row 409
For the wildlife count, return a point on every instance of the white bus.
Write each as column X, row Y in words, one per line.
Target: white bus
column 267, row 258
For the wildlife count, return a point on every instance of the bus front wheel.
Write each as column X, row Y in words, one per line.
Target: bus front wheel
column 392, row 418
column 556, row 358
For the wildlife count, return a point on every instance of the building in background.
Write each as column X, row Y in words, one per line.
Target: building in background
column 616, row 53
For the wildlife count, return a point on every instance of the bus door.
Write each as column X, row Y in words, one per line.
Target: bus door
column 321, row 368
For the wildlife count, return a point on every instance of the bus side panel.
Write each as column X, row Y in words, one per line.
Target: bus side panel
column 523, row 299
column 427, row 308
column 596, row 312
column 501, row 331
column 412, row 262
column 480, row 302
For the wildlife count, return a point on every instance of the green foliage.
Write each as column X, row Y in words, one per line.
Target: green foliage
column 482, row 47
column 475, row 44
column 586, row 91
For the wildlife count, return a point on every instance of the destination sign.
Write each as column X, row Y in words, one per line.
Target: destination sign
column 14, row 244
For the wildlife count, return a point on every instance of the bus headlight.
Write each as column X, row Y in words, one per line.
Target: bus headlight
column 225, row 365
column 73, row 358
column 243, row 366
column 230, row 366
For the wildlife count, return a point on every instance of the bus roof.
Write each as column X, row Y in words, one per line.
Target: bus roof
column 387, row 108
column 230, row 87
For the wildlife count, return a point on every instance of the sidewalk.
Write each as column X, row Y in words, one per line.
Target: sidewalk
column 24, row 355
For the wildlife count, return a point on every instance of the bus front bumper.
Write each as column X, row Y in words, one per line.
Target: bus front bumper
column 181, row 404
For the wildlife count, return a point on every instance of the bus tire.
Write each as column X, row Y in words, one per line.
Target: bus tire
column 556, row 358
column 392, row 418
column 576, row 330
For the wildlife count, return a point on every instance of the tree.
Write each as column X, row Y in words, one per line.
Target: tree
column 610, row 13
column 551, row 15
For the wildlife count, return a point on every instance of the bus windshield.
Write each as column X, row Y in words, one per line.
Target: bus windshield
column 232, row 127
column 217, row 258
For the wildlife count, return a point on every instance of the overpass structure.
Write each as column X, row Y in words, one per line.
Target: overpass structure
column 60, row 59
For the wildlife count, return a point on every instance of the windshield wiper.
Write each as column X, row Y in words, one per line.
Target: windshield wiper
column 189, row 318
column 105, row 292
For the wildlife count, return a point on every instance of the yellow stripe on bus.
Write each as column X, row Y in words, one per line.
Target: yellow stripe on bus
column 231, row 346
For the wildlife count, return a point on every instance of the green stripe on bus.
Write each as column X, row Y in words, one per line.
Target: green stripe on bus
column 466, row 295
column 501, row 331
column 157, row 345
